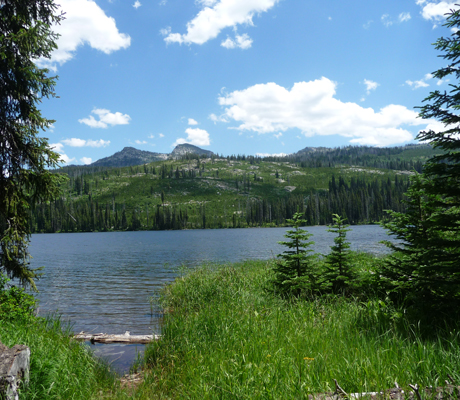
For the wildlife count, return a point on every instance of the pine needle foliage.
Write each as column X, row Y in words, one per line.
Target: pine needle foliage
column 426, row 267
column 412, row 270
column 25, row 157
column 295, row 272
column 339, row 272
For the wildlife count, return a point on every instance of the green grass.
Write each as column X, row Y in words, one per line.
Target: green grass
column 60, row 367
column 225, row 336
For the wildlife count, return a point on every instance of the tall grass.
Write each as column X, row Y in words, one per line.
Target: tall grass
column 225, row 336
column 60, row 367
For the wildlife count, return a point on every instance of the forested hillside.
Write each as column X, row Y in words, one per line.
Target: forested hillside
column 237, row 191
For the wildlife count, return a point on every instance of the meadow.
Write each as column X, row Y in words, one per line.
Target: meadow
column 227, row 336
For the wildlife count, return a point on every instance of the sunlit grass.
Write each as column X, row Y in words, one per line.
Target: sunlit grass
column 60, row 368
column 226, row 336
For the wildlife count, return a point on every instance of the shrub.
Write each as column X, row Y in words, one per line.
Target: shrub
column 15, row 303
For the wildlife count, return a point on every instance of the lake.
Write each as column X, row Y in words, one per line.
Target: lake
column 102, row 282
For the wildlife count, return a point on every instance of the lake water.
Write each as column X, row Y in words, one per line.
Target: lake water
column 102, row 282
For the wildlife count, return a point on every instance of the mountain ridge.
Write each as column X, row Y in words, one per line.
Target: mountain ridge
column 130, row 156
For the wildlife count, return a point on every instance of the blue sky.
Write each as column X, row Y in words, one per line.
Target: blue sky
column 241, row 76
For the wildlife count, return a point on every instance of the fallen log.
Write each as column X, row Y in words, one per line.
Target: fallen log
column 108, row 338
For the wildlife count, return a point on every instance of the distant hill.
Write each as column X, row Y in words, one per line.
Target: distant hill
column 183, row 149
column 130, row 156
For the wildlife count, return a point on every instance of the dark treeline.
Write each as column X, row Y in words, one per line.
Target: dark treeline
column 365, row 156
column 359, row 201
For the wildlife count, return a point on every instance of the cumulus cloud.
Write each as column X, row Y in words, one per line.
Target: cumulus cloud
column 75, row 142
column 191, row 121
column 195, row 136
column 106, row 118
column 241, row 41
column 420, row 83
column 58, row 148
column 312, row 108
column 140, row 142
column 278, row 135
column 436, row 10
column 217, row 118
column 370, row 85
column 85, row 23
column 215, row 16
column 86, row 160
column 137, row 4
column 161, row 135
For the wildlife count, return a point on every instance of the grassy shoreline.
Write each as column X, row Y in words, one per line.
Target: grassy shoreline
column 225, row 336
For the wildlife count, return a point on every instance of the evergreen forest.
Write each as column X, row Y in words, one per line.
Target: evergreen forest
column 359, row 183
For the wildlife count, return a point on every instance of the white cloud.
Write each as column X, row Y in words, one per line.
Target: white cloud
column 97, row 143
column 385, row 18
column 85, row 23
column 278, row 135
column 140, row 142
column 74, row 142
column 367, row 24
column 196, row 136
column 137, row 4
column 58, row 148
column 405, row 16
column 420, row 83
column 161, row 135
column 191, row 121
column 271, row 154
column 312, row 108
column 86, row 160
column 214, row 118
column 151, row 136
column 106, row 118
column 436, row 10
column 370, row 85
column 217, row 15
column 242, row 41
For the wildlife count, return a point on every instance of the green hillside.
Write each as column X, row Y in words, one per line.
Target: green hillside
column 236, row 191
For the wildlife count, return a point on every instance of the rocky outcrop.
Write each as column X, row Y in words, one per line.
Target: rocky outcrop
column 14, row 370
column 186, row 148
column 129, row 156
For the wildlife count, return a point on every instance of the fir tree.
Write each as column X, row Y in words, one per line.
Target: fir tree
column 339, row 272
column 427, row 264
column 25, row 157
column 295, row 272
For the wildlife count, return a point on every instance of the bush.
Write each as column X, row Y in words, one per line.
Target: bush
column 15, row 303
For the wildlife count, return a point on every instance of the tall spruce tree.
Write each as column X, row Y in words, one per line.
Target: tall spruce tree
column 339, row 272
column 427, row 264
column 25, row 36
column 296, row 271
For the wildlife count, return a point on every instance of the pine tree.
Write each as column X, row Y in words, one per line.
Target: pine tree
column 339, row 272
column 411, row 271
column 295, row 272
column 426, row 265
column 25, row 36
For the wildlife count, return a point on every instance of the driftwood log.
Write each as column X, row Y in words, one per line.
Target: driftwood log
column 123, row 338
